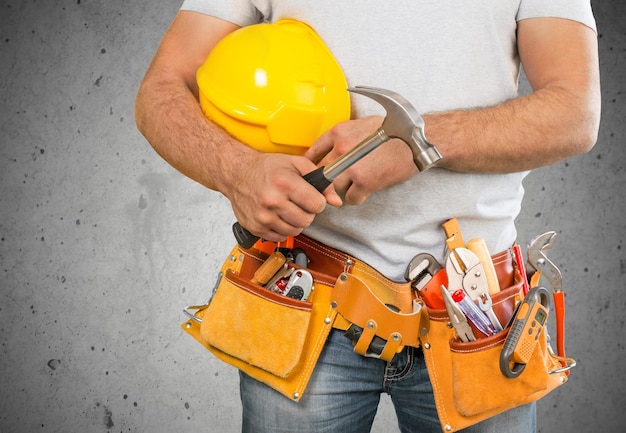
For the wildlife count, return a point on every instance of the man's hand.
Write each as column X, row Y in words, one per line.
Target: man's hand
column 271, row 199
column 388, row 165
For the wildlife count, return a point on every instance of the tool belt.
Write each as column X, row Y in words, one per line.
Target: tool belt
column 277, row 339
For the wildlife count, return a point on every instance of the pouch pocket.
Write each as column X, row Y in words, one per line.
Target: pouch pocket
column 253, row 324
column 477, row 382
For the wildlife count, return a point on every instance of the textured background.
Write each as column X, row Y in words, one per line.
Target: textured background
column 102, row 243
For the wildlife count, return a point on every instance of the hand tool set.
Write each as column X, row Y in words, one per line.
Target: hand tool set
column 468, row 282
column 274, row 304
column 283, row 273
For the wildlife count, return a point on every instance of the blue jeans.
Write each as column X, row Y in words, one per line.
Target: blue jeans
column 344, row 392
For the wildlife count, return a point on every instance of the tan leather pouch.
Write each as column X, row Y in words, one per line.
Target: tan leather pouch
column 468, row 384
column 274, row 339
column 357, row 303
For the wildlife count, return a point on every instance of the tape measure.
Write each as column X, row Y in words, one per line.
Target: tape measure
column 529, row 321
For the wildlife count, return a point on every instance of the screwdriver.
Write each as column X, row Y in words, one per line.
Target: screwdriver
column 472, row 312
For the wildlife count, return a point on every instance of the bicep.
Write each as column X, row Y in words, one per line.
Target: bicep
column 560, row 59
column 185, row 46
column 561, row 52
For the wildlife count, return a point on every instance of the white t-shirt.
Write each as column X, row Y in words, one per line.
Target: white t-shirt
column 440, row 55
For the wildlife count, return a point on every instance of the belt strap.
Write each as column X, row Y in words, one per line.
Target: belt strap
column 333, row 263
column 379, row 307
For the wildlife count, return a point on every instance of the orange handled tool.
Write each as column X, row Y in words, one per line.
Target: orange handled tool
column 539, row 262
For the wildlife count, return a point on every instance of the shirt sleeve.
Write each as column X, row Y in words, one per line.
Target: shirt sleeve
column 240, row 12
column 576, row 10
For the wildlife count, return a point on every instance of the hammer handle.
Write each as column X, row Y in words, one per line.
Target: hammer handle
column 318, row 179
column 322, row 177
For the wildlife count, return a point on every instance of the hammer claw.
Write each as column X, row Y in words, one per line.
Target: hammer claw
column 404, row 122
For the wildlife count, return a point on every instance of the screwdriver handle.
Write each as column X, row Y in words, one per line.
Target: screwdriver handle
column 317, row 178
column 479, row 247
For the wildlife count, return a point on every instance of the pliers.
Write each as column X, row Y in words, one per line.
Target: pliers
column 457, row 318
column 465, row 271
column 540, row 264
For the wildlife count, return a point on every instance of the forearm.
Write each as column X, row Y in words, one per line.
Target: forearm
column 168, row 115
column 266, row 191
column 531, row 131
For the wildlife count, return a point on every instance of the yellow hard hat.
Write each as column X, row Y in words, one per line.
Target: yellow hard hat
column 274, row 87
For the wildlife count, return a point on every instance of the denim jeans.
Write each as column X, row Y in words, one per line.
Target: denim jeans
column 344, row 392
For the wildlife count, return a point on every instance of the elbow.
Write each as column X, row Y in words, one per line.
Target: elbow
column 585, row 125
column 588, row 140
column 139, row 110
column 588, row 129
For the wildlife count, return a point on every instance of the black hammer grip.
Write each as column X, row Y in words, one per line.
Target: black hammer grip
column 317, row 178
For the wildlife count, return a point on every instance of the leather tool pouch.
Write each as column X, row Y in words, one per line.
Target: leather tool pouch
column 272, row 338
column 383, row 329
column 468, row 384
column 277, row 340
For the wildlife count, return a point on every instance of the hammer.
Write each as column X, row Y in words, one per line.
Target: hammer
column 402, row 121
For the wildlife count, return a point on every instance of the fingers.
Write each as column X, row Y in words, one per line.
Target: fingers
column 275, row 223
column 273, row 201
column 332, row 197
column 354, row 192
column 320, row 148
column 391, row 164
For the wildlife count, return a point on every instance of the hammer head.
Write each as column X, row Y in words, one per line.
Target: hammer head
column 404, row 122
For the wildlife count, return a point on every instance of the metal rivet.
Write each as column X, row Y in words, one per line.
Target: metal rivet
column 343, row 277
column 396, row 337
column 188, row 325
column 541, row 262
column 448, row 427
column 370, row 325
column 427, row 346
column 333, row 304
column 327, row 320
column 425, row 331
column 241, row 258
column 349, row 262
column 450, row 325
column 232, row 258
column 296, row 395
column 477, row 274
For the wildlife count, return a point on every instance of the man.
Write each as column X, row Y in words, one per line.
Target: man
column 458, row 64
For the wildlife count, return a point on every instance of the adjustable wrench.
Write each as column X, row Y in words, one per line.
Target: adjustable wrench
column 426, row 276
column 402, row 121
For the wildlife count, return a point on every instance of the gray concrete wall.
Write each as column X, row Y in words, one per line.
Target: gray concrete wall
column 102, row 243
